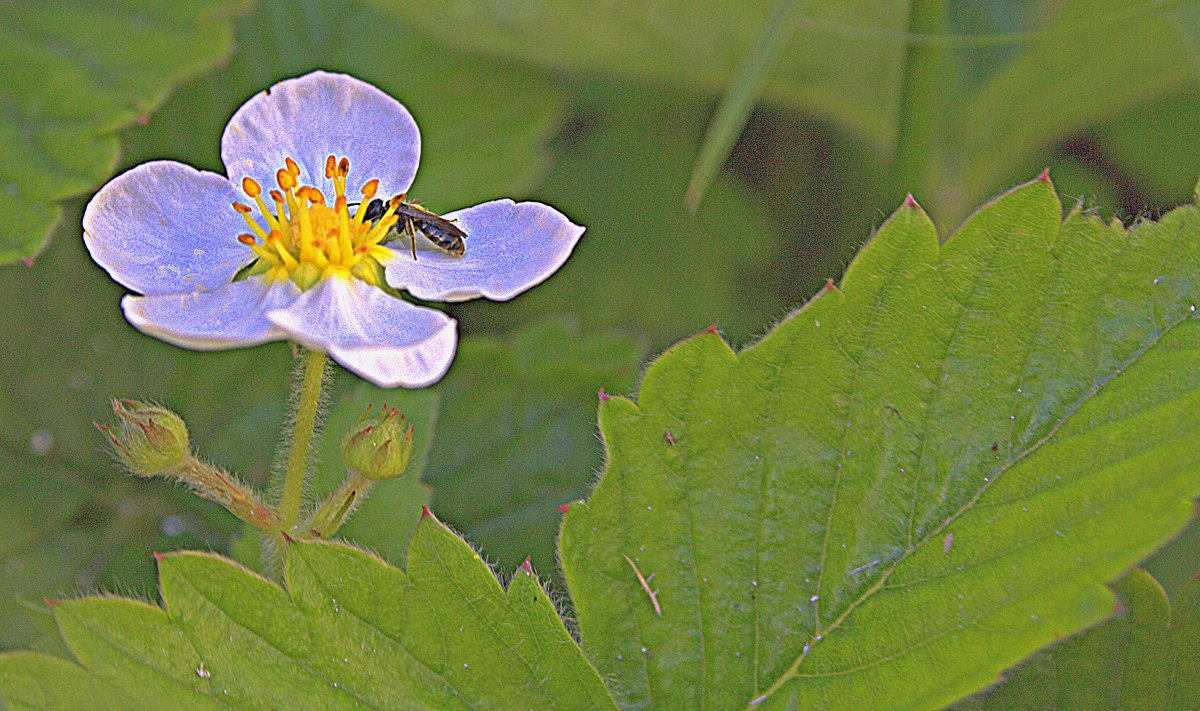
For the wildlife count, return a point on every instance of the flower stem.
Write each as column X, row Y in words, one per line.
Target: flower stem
column 302, row 437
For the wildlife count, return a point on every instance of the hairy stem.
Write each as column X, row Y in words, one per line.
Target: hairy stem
column 302, row 438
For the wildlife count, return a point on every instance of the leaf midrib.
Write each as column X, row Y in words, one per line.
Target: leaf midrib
column 301, row 662
column 1080, row 402
column 348, row 608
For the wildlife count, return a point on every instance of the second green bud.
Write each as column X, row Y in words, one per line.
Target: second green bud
column 380, row 446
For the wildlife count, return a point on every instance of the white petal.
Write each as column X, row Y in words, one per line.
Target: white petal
column 165, row 227
column 510, row 248
column 317, row 115
column 232, row 316
column 386, row 340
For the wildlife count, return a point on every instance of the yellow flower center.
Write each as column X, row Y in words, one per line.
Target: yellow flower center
column 304, row 239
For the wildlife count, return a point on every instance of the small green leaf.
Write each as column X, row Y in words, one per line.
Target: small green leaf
column 349, row 630
column 914, row 481
column 69, row 83
column 1148, row 656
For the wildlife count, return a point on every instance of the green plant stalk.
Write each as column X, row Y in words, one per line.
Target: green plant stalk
column 920, row 164
column 302, row 437
column 337, row 508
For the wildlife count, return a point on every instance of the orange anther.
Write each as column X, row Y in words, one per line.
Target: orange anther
column 330, row 166
column 246, row 239
column 344, row 167
column 369, row 189
column 286, row 180
column 276, row 196
column 244, row 209
column 251, row 186
column 292, row 167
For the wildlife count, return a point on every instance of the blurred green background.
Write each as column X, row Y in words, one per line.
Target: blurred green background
column 600, row 109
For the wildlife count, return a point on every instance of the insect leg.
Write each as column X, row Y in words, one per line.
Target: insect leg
column 410, row 229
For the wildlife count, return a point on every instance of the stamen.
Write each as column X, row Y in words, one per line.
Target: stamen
column 312, row 195
column 275, row 239
column 308, row 250
column 286, row 180
column 259, row 249
column 244, row 211
column 345, row 242
column 308, row 236
column 370, row 188
column 368, row 191
column 254, row 190
column 251, row 187
column 380, row 229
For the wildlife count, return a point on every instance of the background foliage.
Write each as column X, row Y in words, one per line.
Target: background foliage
column 602, row 115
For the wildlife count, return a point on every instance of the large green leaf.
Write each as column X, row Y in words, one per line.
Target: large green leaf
column 349, row 631
column 1147, row 657
column 75, row 72
column 914, row 481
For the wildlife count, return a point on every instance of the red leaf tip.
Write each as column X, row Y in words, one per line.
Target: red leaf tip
column 526, row 566
column 50, row 602
column 425, row 512
column 564, row 508
column 829, row 285
column 1045, row 176
column 910, row 201
column 286, row 537
column 711, row 329
column 157, row 556
column 603, row 395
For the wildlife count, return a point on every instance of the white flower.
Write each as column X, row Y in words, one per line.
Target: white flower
column 301, row 263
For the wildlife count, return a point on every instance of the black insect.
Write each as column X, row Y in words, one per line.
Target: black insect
column 442, row 233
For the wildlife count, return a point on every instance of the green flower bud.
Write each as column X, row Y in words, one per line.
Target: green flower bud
column 147, row 439
column 379, row 446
